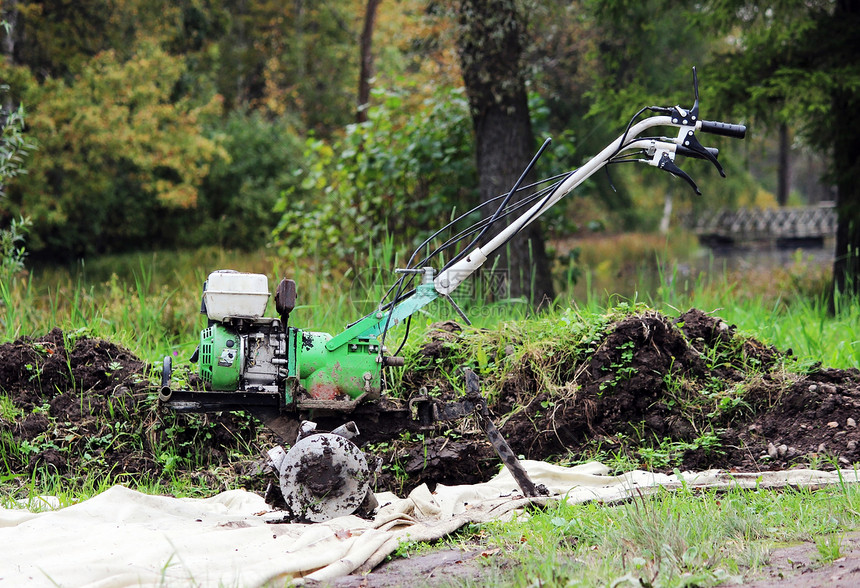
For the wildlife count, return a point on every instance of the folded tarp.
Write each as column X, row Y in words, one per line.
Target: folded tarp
column 124, row 538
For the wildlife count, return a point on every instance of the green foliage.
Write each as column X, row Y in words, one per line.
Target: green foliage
column 118, row 151
column 234, row 208
column 396, row 174
column 15, row 145
column 643, row 57
column 293, row 58
column 14, row 148
column 12, row 251
column 622, row 369
column 667, row 452
column 53, row 37
column 789, row 59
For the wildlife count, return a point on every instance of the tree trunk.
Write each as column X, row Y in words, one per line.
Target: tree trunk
column 846, row 167
column 667, row 213
column 783, row 183
column 489, row 43
column 366, row 72
column 846, row 164
column 9, row 15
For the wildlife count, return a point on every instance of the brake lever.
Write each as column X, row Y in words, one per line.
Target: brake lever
column 692, row 143
column 666, row 164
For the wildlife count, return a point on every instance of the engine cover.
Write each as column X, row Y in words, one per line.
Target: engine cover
column 221, row 358
column 248, row 355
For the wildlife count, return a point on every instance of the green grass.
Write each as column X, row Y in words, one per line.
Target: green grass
column 806, row 327
column 149, row 302
column 678, row 538
column 45, row 491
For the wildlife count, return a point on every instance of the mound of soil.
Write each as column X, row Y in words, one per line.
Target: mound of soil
column 75, row 406
column 655, row 393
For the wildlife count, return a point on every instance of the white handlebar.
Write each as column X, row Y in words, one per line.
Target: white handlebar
column 452, row 277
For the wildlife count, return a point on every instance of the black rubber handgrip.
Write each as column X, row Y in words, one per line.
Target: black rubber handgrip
column 724, row 129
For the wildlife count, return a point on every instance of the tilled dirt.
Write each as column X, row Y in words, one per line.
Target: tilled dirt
column 647, row 390
column 657, row 393
column 76, row 406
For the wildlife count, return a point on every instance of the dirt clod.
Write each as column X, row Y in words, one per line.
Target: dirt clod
column 656, row 393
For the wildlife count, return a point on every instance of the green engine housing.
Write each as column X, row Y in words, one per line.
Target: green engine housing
column 301, row 365
column 221, row 358
column 350, row 370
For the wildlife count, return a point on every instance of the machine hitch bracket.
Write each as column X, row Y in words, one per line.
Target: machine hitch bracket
column 503, row 450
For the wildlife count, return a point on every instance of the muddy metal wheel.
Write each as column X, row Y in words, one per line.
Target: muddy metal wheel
column 324, row 476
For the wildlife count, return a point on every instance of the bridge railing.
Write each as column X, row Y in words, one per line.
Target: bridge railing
column 773, row 224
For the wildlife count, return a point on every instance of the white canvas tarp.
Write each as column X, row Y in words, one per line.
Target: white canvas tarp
column 125, row 538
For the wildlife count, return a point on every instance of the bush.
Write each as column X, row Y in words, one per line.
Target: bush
column 234, row 208
column 120, row 152
column 397, row 174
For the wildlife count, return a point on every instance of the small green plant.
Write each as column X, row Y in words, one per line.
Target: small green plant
column 829, row 547
column 670, row 453
column 8, row 411
column 710, row 442
column 623, row 368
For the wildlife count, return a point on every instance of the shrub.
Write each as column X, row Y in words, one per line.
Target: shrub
column 396, row 174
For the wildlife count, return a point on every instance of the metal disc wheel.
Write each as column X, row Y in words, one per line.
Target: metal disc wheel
column 324, row 476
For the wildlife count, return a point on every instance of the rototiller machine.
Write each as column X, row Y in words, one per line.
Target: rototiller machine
column 301, row 382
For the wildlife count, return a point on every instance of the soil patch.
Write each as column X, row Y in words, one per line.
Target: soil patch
column 75, row 406
column 645, row 390
column 800, row 565
column 651, row 392
column 445, row 567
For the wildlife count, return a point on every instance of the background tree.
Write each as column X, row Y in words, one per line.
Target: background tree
column 297, row 57
column 490, row 42
column 180, row 122
column 119, row 150
column 366, row 71
column 796, row 61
